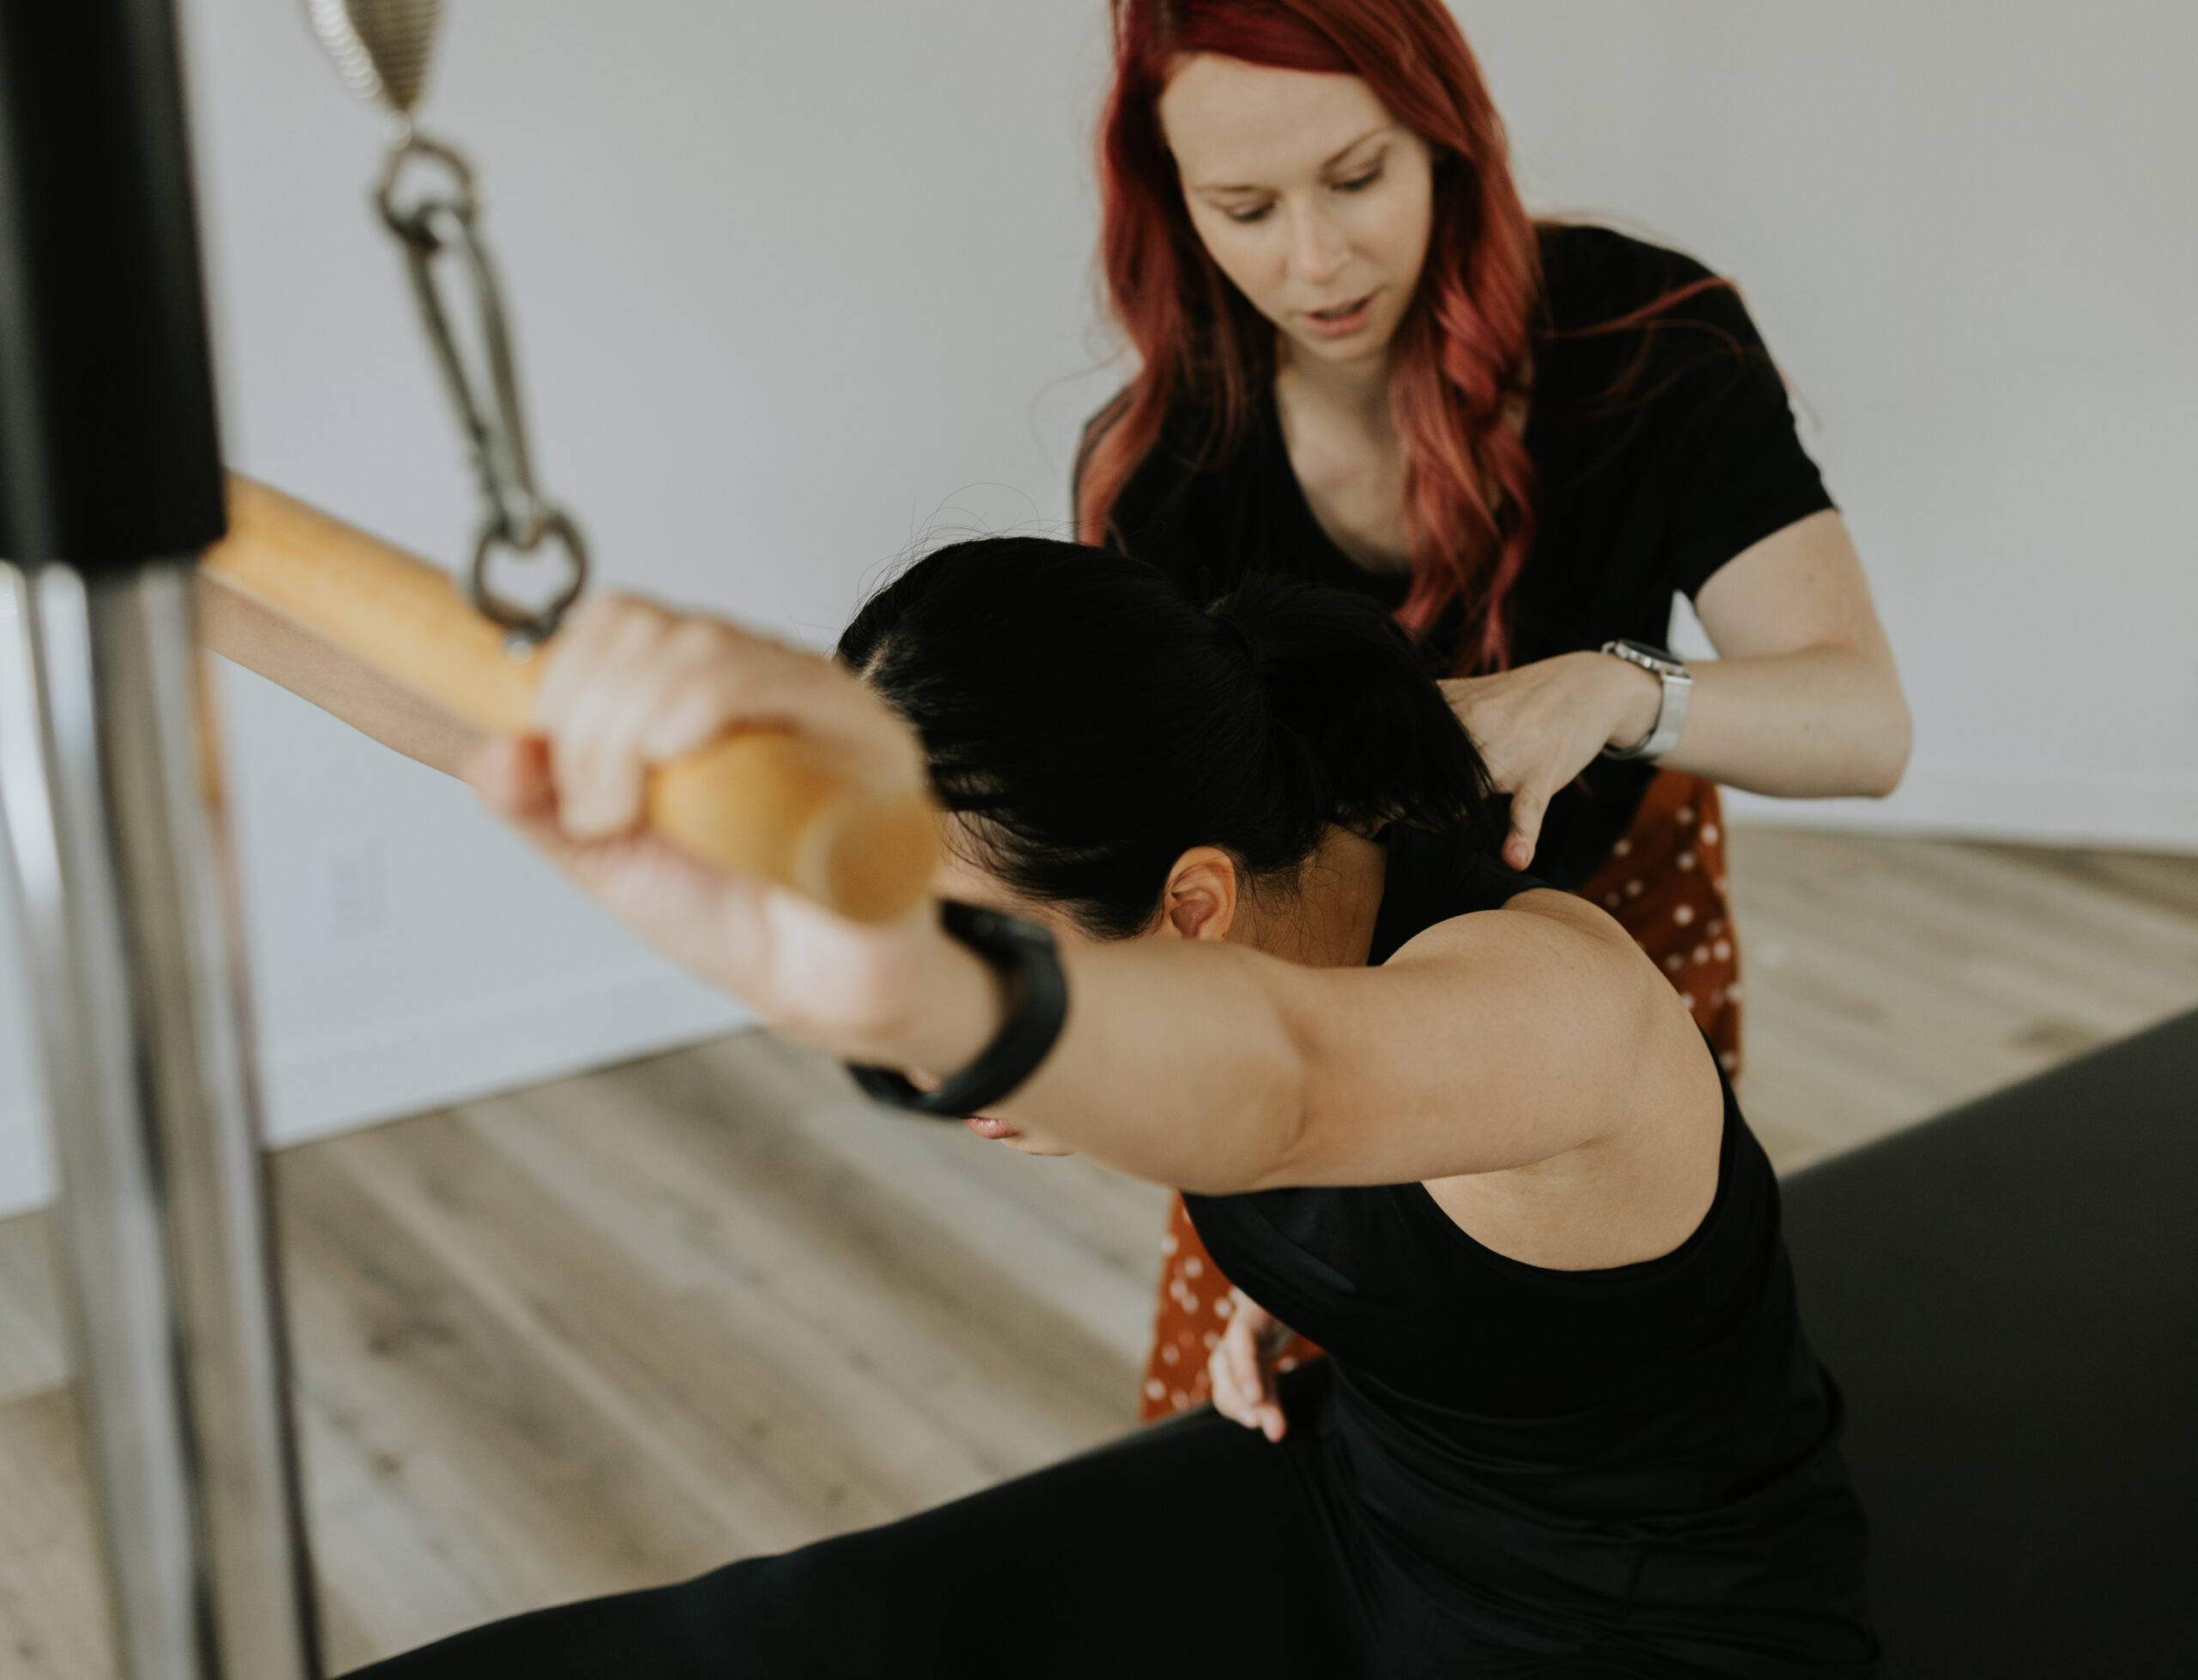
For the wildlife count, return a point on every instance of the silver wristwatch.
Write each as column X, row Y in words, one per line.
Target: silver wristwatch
column 1670, row 716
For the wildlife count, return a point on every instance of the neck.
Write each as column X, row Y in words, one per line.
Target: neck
column 1328, row 921
column 1358, row 389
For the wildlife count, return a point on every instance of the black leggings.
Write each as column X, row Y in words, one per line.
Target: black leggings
column 1183, row 1550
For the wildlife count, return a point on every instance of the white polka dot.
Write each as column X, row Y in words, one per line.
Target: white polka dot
column 1723, row 947
column 1193, row 1266
column 1719, row 884
column 1709, row 833
column 1190, row 1301
column 1733, row 991
column 1623, row 849
column 1224, row 1307
column 1684, row 914
column 1213, row 1341
column 1170, row 1354
column 1687, row 1000
column 1728, row 1061
column 1685, row 860
column 1288, row 1362
column 1717, row 926
column 1611, row 899
column 1674, row 962
column 1154, row 1388
column 1686, row 816
column 1702, row 952
column 1167, row 1243
column 1635, row 887
column 1180, row 1400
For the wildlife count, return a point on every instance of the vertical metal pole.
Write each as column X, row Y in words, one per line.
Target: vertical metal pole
column 109, row 481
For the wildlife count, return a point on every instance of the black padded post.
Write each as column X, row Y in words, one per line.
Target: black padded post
column 108, row 454
column 2009, row 1296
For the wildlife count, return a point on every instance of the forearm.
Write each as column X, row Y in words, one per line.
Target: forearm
column 1178, row 1062
column 1815, row 723
column 331, row 677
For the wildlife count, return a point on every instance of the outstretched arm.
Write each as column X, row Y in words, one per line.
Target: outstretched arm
column 1495, row 1040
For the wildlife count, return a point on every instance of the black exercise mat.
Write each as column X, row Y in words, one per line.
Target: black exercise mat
column 2008, row 1294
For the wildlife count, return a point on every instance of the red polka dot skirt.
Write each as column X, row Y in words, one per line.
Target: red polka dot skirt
column 1665, row 882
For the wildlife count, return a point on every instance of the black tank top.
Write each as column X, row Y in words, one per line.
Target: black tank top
column 1640, row 1461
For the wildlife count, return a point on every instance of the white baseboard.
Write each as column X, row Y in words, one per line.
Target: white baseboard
column 406, row 1066
column 2047, row 804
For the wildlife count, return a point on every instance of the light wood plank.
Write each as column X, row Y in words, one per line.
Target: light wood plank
column 34, row 1352
column 53, row 1605
column 1886, row 979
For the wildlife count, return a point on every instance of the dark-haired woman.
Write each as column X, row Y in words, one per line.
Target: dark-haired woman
column 1452, row 1122
column 1360, row 364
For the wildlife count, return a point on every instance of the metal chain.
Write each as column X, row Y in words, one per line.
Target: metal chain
column 440, row 232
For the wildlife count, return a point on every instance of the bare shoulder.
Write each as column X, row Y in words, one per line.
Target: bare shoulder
column 1558, row 924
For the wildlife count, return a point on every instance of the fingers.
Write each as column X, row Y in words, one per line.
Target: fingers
column 604, row 681
column 1242, row 1372
column 1529, row 805
column 1233, row 1369
column 629, row 685
column 513, row 776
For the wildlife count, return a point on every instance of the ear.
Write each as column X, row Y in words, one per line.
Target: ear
column 1200, row 898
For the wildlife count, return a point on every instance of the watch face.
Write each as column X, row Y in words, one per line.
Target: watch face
column 1662, row 656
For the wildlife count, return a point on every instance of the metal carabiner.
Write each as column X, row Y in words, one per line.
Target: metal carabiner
column 432, row 225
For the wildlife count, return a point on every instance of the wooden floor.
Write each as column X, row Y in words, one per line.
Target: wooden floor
column 615, row 1330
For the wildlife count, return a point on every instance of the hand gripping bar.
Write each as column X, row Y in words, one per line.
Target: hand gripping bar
column 760, row 801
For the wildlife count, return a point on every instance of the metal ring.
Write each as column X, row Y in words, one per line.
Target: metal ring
column 527, row 628
column 408, row 225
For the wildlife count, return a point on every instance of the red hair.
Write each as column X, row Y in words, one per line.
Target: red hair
column 1459, row 359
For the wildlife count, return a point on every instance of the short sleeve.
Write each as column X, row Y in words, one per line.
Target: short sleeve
column 1746, row 475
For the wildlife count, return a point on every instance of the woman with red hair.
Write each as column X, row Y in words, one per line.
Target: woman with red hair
column 1360, row 364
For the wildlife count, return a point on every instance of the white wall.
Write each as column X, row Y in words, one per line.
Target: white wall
column 1968, row 230
column 789, row 280
column 795, row 283
column 26, row 1170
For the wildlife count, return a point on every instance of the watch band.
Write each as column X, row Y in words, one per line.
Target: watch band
column 1022, row 953
column 1671, row 716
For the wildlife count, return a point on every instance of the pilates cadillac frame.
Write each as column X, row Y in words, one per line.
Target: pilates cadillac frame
column 109, row 485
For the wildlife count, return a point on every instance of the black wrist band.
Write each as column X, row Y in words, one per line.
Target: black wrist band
column 1022, row 953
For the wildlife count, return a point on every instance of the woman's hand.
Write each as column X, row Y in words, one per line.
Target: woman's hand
column 629, row 685
column 1541, row 724
column 1802, row 702
column 1242, row 1367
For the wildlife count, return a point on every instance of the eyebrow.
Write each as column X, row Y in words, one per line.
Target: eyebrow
column 1326, row 163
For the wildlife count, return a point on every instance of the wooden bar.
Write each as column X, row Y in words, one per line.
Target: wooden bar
column 767, row 802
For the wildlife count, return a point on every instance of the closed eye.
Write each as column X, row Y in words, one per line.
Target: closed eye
column 1360, row 183
column 1248, row 213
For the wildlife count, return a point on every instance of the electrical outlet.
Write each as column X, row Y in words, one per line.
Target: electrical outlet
column 352, row 888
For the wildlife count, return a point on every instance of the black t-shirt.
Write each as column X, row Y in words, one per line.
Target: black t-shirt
column 1662, row 450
